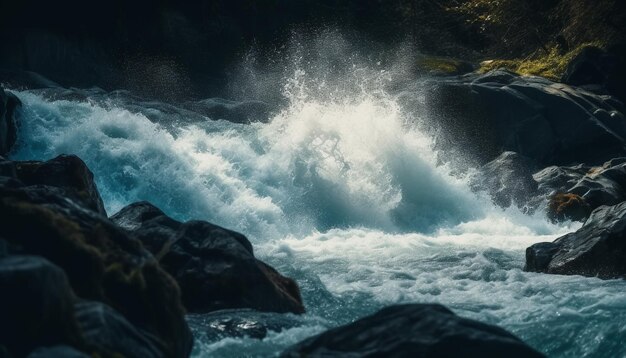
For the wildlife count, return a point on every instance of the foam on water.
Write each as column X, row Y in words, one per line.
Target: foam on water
column 346, row 196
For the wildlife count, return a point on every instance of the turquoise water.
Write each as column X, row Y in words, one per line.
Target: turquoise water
column 346, row 196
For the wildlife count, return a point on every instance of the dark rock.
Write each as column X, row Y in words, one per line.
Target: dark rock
column 597, row 249
column 7, row 168
column 214, row 267
column 575, row 191
column 237, row 112
column 150, row 225
column 414, row 330
column 508, row 179
column 550, row 123
column 103, row 263
column 36, row 305
column 64, row 171
column 57, row 352
column 239, row 323
column 598, row 69
column 9, row 105
column 555, row 179
column 568, row 207
column 108, row 331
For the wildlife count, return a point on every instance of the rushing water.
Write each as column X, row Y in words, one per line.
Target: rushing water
column 346, row 196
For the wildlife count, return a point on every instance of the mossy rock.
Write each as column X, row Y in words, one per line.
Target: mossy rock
column 568, row 206
column 443, row 66
column 101, row 261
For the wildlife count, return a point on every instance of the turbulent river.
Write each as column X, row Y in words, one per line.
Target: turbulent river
column 346, row 196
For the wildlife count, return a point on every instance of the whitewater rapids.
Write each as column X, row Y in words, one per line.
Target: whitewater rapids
column 347, row 197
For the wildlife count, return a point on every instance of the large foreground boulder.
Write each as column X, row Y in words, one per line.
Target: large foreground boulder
column 214, row 267
column 414, row 330
column 597, row 249
column 36, row 305
column 107, row 331
column 102, row 262
column 550, row 123
column 8, row 123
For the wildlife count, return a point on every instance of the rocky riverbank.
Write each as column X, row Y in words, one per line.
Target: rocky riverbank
column 78, row 281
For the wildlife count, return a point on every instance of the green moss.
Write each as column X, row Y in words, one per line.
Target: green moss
column 443, row 65
column 551, row 65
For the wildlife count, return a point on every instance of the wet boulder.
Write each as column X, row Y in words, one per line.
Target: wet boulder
column 9, row 105
column 508, row 179
column 413, row 330
column 36, row 305
column 597, row 249
column 102, row 262
column 214, row 267
column 64, row 171
column 239, row 323
column 107, row 331
column 550, row 123
column 575, row 191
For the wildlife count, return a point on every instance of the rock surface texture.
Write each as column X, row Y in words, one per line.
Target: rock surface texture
column 214, row 267
column 50, row 210
column 596, row 249
column 414, row 330
column 550, row 123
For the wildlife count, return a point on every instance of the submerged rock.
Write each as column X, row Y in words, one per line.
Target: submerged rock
column 36, row 305
column 596, row 249
column 64, row 171
column 550, row 123
column 214, row 267
column 8, row 123
column 232, row 111
column 239, row 323
column 414, row 330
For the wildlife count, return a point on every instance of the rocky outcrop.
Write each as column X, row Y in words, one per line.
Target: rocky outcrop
column 508, row 179
column 36, row 305
column 599, row 70
column 575, row 191
column 65, row 171
column 102, row 262
column 550, row 123
column 214, row 267
column 414, row 330
column 597, row 249
column 239, row 323
column 9, row 105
